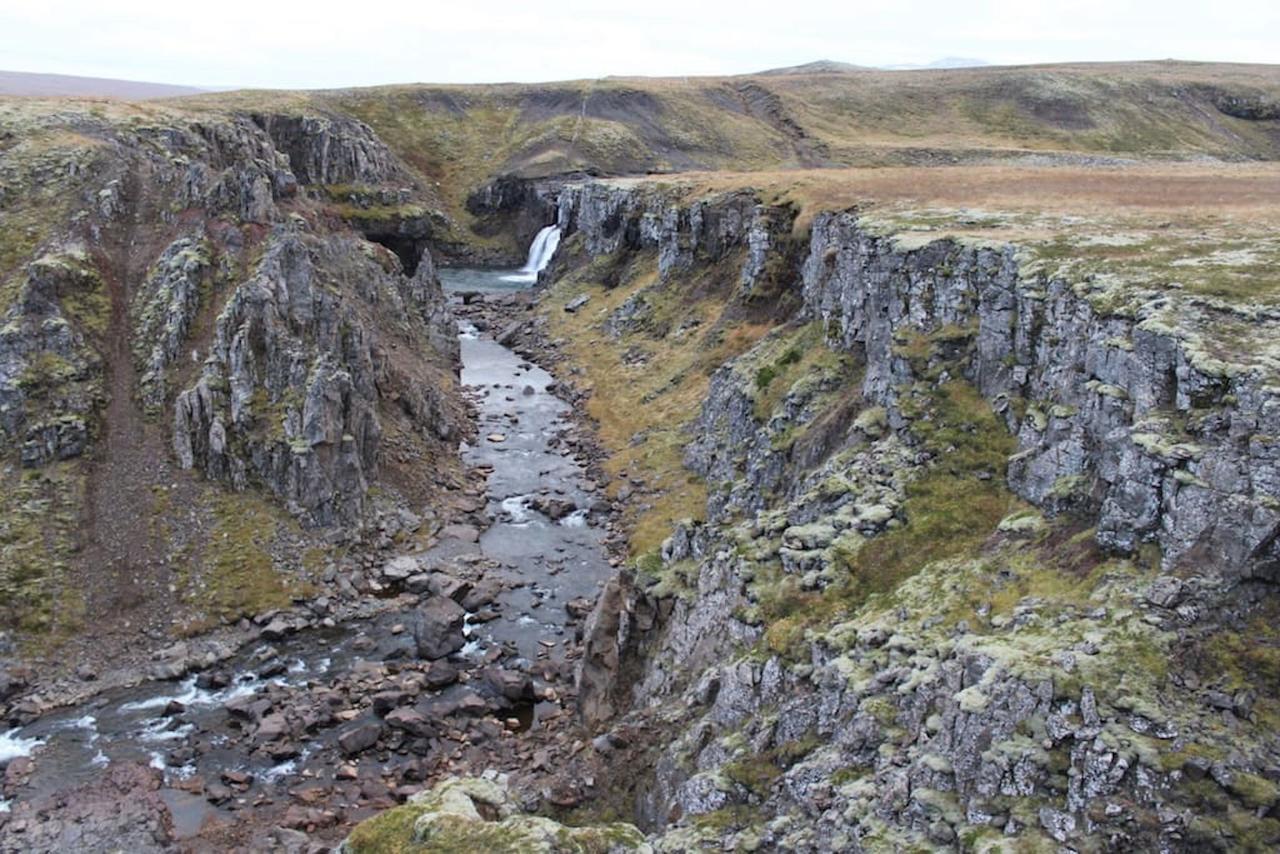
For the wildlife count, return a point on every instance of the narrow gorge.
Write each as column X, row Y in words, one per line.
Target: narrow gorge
column 657, row 485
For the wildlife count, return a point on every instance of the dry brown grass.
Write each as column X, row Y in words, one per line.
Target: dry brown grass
column 642, row 408
column 1220, row 189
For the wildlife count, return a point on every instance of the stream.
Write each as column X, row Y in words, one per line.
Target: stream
column 542, row 549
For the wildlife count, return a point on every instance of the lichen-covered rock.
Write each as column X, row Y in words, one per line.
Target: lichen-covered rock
column 164, row 310
column 1105, row 381
column 481, row 814
column 1031, row 691
column 331, row 149
column 166, row 286
column 296, row 373
column 1118, row 415
column 611, row 216
column 50, row 386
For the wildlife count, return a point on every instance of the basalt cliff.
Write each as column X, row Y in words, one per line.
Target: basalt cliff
column 188, row 318
column 981, row 551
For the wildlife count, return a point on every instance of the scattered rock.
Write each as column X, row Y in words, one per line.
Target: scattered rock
column 437, row 630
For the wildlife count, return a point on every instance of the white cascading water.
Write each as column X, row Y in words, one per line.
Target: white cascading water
column 540, row 252
column 12, row 746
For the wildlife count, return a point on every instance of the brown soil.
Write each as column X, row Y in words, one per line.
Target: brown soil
column 127, row 593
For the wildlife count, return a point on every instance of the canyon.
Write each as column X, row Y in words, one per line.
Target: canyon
column 851, row 466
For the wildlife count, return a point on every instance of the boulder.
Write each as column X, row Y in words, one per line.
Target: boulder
column 463, row 533
column 385, row 701
column 511, row 684
column 482, row 594
column 412, row 721
column 360, row 737
column 249, row 707
column 437, row 630
column 509, row 333
column 554, row 509
column 578, row 608
column 1166, row 591
column 442, row 673
column 441, row 584
column 400, row 568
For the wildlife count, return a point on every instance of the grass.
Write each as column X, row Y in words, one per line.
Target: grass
column 37, row 190
column 458, row 138
column 1245, row 659
column 758, row 772
column 1191, row 249
column 798, row 355
column 950, row 510
column 39, row 515
column 238, row 575
column 642, row 409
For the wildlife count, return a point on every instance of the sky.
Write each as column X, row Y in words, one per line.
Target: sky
column 321, row 44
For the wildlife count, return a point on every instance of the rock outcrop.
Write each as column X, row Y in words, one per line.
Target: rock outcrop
column 814, row 710
column 1117, row 413
column 50, row 374
column 1121, row 416
column 482, row 814
column 295, row 375
column 178, row 303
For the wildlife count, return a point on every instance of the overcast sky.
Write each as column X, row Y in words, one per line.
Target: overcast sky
column 327, row 44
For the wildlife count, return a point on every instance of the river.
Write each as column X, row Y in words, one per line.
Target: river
column 543, row 547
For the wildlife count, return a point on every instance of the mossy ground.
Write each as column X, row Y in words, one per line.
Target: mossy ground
column 236, row 572
column 1193, row 246
column 758, row 772
column 455, row 824
column 644, row 402
column 795, row 356
column 39, row 539
column 37, row 188
column 951, row 510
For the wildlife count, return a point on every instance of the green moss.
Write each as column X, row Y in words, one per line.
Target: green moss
column 727, row 818
column 793, row 361
column 239, row 576
column 1233, row 830
column 466, row 814
column 882, row 709
column 39, row 520
column 758, row 773
column 950, row 511
column 379, row 213
column 46, row 370
column 89, row 309
column 1257, row 793
column 849, row 774
column 954, row 506
column 388, row 832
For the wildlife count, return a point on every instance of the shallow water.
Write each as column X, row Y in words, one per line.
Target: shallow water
column 462, row 280
column 561, row 559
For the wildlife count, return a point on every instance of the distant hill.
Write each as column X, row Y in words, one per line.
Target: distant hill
column 831, row 66
column 459, row 138
column 22, row 83
column 822, row 66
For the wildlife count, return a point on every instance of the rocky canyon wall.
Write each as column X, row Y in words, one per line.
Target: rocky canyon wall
column 938, row 709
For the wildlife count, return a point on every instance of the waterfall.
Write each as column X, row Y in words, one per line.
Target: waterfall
column 540, row 252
